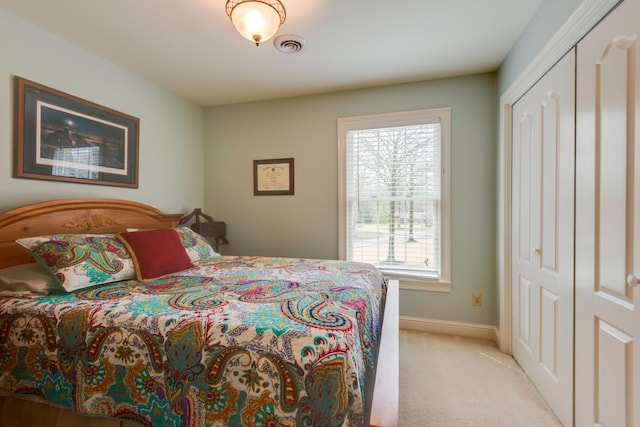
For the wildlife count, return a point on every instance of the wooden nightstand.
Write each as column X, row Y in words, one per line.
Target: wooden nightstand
column 215, row 230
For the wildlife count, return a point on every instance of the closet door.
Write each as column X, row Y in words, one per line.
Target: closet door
column 608, row 222
column 543, row 235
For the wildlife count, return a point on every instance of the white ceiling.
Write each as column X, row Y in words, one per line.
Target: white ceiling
column 191, row 48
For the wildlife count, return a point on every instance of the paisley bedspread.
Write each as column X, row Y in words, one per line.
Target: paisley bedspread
column 239, row 341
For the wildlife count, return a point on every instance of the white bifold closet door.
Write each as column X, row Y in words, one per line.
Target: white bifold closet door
column 607, row 389
column 542, row 251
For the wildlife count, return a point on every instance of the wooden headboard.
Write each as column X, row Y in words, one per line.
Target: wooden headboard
column 77, row 216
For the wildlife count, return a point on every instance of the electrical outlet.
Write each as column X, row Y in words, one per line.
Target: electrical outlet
column 476, row 299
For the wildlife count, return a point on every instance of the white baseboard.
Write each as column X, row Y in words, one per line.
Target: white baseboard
column 471, row 330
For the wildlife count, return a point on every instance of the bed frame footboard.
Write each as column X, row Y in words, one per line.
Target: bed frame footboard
column 385, row 409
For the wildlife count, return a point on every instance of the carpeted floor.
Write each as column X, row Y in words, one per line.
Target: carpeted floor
column 449, row 381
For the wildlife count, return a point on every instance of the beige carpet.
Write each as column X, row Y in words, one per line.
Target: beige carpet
column 449, row 381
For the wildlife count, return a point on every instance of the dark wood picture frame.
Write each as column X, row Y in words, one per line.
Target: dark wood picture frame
column 273, row 177
column 60, row 137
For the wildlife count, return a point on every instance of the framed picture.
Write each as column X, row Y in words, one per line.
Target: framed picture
column 273, row 177
column 60, row 137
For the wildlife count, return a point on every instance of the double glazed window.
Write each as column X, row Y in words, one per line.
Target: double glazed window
column 394, row 192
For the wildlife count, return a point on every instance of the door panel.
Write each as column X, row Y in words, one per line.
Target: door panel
column 542, row 221
column 549, row 196
column 607, row 220
column 524, row 174
column 612, row 82
column 524, row 309
column 614, row 347
column 549, row 332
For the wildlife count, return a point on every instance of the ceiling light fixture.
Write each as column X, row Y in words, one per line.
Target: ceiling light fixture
column 256, row 20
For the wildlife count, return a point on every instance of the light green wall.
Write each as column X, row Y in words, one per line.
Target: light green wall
column 544, row 24
column 172, row 132
column 306, row 225
column 171, row 169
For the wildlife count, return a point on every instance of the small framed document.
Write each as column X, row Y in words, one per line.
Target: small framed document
column 273, row 177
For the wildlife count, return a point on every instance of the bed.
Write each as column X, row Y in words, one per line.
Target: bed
column 220, row 340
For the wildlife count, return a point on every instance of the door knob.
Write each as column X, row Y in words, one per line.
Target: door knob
column 538, row 251
column 633, row 281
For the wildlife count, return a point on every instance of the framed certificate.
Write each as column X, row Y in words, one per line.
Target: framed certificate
column 273, row 177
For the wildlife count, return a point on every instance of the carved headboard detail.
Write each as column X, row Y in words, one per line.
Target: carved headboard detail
column 93, row 221
column 86, row 216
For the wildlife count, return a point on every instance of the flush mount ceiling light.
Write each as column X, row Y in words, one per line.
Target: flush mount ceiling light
column 256, row 20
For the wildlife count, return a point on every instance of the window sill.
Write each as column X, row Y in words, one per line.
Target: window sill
column 420, row 284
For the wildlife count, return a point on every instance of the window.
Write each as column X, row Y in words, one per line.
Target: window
column 394, row 193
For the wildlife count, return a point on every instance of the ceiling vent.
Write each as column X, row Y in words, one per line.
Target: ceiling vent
column 289, row 43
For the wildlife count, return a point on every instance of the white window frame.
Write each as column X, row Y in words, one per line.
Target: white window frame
column 407, row 118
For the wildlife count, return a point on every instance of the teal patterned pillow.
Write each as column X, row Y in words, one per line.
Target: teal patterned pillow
column 196, row 246
column 81, row 260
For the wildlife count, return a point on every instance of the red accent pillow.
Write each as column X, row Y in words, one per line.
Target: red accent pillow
column 156, row 253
